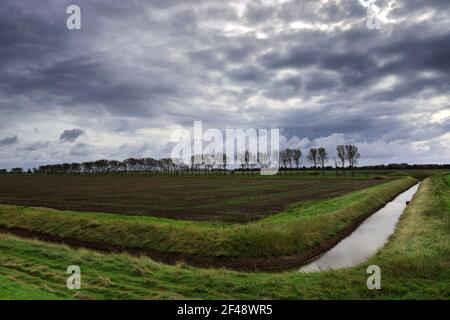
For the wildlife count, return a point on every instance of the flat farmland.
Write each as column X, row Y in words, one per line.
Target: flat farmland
column 192, row 198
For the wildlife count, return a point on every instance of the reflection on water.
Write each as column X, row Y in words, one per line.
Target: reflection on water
column 366, row 240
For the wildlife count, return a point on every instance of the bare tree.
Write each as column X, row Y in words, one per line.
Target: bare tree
column 178, row 163
column 312, row 157
column 296, row 155
column 241, row 160
column 336, row 166
column 340, row 149
column 289, row 158
column 252, row 161
column 225, row 163
column 284, row 158
column 352, row 155
column 263, row 160
column 323, row 158
column 192, row 164
column 195, row 164
column 247, row 160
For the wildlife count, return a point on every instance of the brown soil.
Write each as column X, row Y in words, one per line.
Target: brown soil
column 192, row 198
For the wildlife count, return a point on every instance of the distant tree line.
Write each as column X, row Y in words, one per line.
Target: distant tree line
column 150, row 165
column 165, row 165
column 290, row 159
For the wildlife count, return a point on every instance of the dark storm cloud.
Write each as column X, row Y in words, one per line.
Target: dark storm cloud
column 320, row 81
column 284, row 88
column 248, row 74
column 256, row 13
column 295, row 58
column 22, row 33
column 71, row 135
column 415, row 53
column 312, row 68
column 418, row 6
column 9, row 141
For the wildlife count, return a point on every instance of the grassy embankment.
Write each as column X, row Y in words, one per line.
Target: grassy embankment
column 414, row 264
column 295, row 231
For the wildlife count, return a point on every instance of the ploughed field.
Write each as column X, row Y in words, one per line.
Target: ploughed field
column 192, row 198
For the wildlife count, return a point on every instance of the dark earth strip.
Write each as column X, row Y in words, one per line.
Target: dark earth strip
column 236, row 200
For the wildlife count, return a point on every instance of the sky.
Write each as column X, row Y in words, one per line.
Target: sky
column 138, row 70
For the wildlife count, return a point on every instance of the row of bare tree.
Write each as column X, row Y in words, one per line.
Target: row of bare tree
column 165, row 165
column 318, row 157
column 206, row 164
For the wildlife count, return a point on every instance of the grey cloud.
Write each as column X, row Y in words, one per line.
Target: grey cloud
column 285, row 88
column 37, row 146
column 81, row 150
column 319, row 81
column 294, row 58
column 257, row 12
column 71, row 135
column 248, row 74
column 415, row 52
column 9, row 141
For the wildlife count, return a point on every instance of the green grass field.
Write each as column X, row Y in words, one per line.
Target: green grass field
column 414, row 264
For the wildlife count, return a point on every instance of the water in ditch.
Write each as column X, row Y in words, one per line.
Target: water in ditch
column 366, row 240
